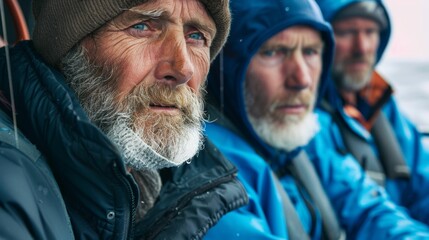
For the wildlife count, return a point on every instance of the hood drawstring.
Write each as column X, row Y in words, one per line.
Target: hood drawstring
column 9, row 75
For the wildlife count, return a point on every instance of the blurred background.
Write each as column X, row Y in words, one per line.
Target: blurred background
column 26, row 10
column 405, row 63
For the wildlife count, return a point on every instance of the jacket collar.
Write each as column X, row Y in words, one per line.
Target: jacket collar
column 365, row 105
column 86, row 164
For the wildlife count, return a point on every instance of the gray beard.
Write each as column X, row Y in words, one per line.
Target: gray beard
column 139, row 155
column 287, row 132
column 293, row 133
column 142, row 148
column 350, row 82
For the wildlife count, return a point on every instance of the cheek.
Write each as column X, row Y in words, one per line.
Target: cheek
column 105, row 46
column 316, row 74
column 201, row 62
column 342, row 49
column 114, row 54
column 315, row 87
column 258, row 92
column 131, row 60
column 136, row 64
column 374, row 45
column 267, row 81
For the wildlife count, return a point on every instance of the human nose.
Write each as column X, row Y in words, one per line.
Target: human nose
column 298, row 73
column 361, row 43
column 174, row 67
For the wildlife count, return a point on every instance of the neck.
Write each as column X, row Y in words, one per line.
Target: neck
column 349, row 96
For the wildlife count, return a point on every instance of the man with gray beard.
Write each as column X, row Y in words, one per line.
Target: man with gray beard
column 139, row 131
column 366, row 121
column 107, row 106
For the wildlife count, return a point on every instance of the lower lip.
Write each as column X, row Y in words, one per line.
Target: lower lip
column 292, row 109
column 358, row 66
column 169, row 110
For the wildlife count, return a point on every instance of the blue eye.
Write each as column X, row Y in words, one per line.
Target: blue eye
column 275, row 52
column 272, row 56
column 268, row 53
column 310, row 51
column 140, row 26
column 345, row 33
column 196, row 36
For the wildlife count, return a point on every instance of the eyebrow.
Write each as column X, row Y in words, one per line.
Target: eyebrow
column 135, row 13
column 203, row 27
column 155, row 13
column 316, row 45
column 163, row 14
column 320, row 44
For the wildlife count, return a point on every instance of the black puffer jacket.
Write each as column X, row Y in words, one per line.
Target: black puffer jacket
column 31, row 206
column 99, row 194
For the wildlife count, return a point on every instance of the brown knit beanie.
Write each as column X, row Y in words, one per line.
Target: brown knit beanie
column 60, row 24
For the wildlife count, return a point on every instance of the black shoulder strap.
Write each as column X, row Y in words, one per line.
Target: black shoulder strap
column 358, row 147
column 391, row 162
column 293, row 223
column 303, row 170
column 391, row 155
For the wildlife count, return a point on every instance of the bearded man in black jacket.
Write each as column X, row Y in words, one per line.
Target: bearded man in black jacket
column 108, row 103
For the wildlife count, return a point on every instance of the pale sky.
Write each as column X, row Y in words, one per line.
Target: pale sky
column 405, row 63
column 410, row 29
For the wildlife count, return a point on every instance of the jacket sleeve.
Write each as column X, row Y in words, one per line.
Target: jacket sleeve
column 13, row 226
column 414, row 193
column 250, row 221
column 363, row 208
column 18, row 205
column 30, row 208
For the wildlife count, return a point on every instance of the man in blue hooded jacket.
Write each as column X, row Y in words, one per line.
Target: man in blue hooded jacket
column 263, row 92
column 366, row 120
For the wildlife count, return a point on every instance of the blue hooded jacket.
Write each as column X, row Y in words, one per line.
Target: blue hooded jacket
column 331, row 7
column 412, row 193
column 255, row 22
column 362, row 207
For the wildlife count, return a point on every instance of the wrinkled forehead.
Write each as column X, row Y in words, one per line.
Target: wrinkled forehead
column 184, row 11
column 303, row 34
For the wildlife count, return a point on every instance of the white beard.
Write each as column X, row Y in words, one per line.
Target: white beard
column 138, row 155
column 290, row 135
column 350, row 81
column 97, row 98
column 353, row 83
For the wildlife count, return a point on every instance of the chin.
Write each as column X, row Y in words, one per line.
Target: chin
column 295, row 132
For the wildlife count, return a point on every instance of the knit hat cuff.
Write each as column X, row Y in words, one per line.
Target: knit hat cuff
column 61, row 24
column 365, row 9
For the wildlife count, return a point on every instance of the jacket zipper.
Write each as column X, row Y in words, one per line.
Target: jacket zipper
column 182, row 203
column 128, row 224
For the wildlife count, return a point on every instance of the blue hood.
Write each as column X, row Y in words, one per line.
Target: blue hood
column 331, row 7
column 254, row 22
